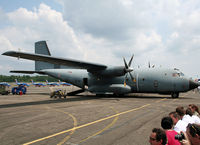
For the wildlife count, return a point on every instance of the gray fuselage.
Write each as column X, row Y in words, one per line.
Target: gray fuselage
column 151, row 80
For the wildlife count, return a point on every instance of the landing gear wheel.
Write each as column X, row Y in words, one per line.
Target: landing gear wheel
column 175, row 95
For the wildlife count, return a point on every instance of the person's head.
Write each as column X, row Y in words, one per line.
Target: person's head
column 167, row 123
column 158, row 137
column 193, row 133
column 188, row 111
column 175, row 117
column 180, row 110
column 194, row 108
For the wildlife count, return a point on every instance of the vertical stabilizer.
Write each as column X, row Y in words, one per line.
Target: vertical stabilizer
column 42, row 48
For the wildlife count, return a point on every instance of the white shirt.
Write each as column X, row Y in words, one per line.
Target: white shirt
column 196, row 119
column 188, row 119
column 180, row 126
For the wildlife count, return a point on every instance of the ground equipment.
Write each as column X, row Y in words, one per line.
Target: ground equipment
column 3, row 90
column 19, row 90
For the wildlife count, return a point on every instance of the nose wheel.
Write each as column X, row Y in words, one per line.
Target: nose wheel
column 175, row 95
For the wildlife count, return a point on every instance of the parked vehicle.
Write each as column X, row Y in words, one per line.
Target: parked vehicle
column 3, row 90
column 58, row 93
column 19, row 90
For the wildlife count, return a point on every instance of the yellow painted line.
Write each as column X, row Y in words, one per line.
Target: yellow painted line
column 174, row 100
column 84, row 125
column 161, row 100
column 107, row 127
column 184, row 95
column 72, row 132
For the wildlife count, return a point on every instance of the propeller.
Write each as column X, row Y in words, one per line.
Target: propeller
column 128, row 69
column 150, row 65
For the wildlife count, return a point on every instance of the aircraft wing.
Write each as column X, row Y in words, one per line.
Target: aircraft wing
column 57, row 60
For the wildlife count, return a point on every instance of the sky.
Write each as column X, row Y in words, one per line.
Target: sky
column 165, row 33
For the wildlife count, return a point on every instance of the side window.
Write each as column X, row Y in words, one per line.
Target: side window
column 176, row 75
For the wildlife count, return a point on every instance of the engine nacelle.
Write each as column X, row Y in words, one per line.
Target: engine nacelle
column 111, row 71
column 111, row 89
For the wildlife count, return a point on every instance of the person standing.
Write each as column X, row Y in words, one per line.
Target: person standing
column 167, row 125
column 179, row 125
column 195, row 109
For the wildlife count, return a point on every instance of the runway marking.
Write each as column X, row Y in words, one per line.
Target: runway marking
column 85, row 125
column 161, row 100
column 72, row 132
column 107, row 127
column 184, row 95
column 75, row 124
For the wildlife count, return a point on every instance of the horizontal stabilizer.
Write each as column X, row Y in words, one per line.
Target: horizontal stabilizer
column 26, row 72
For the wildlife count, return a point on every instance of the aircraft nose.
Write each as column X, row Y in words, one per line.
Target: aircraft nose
column 193, row 84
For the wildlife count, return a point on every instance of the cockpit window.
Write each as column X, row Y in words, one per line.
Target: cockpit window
column 181, row 74
column 177, row 74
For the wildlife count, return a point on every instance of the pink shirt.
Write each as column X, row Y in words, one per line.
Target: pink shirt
column 171, row 137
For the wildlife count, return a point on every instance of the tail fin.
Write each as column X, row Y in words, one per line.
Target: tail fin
column 16, row 81
column 32, row 81
column 42, row 48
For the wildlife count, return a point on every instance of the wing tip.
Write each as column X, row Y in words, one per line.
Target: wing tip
column 9, row 53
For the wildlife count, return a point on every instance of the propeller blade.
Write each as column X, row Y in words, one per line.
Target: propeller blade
column 125, row 80
column 131, row 76
column 149, row 64
column 129, row 64
column 128, row 69
column 126, row 66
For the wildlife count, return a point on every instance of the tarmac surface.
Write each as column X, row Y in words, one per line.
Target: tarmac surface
column 85, row 119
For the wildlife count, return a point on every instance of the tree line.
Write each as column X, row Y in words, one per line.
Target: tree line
column 27, row 78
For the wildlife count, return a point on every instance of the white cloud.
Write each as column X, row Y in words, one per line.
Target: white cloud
column 5, row 44
column 164, row 32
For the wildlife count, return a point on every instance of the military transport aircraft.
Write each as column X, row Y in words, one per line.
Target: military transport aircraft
column 104, row 79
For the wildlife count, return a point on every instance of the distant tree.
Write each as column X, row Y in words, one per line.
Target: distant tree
column 27, row 78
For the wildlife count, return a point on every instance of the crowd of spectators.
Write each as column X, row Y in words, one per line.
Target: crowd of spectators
column 180, row 127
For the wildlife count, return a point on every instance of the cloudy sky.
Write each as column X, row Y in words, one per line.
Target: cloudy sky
column 164, row 32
